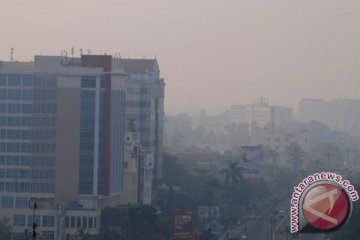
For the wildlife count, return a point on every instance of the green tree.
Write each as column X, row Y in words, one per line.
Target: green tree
column 5, row 229
column 232, row 174
column 174, row 173
column 234, row 196
column 271, row 155
column 142, row 223
column 295, row 155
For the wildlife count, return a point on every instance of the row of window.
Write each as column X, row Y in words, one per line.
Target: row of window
column 20, row 220
column 90, row 82
column 48, row 235
column 16, row 80
column 20, row 202
column 27, row 94
column 45, row 80
column 26, row 161
column 27, row 121
column 27, row 147
column 27, row 80
column 27, row 134
column 16, row 94
column 27, row 187
column 27, row 173
column 15, row 108
column 80, row 222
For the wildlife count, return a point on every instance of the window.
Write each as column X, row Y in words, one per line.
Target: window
column 26, row 147
column 84, row 222
column 2, row 79
column 72, row 222
column 103, row 83
column 25, row 134
column 7, row 202
column 78, row 222
column 26, row 121
column 14, row 94
column 2, row 121
column 26, row 94
column 88, row 81
column 48, row 221
column 3, row 133
column 13, row 147
column 27, row 80
column 13, row 134
column 14, row 108
column 31, row 220
column 49, row 235
column 26, row 108
column 12, row 160
column 3, row 94
column 90, row 222
column 19, row 220
column 22, row 202
column 14, row 80
column 3, row 107
column 67, row 222
column 14, row 121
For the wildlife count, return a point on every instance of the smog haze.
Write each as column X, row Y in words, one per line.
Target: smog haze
column 212, row 53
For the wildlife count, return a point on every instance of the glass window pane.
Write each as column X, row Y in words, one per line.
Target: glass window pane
column 14, row 80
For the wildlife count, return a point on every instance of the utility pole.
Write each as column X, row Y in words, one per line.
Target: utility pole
column 34, row 207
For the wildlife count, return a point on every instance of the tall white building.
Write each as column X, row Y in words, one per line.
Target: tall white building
column 260, row 114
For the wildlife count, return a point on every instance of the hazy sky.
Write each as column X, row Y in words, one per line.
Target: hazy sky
column 211, row 53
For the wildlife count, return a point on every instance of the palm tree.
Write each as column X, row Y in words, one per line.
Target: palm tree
column 295, row 155
column 233, row 174
column 234, row 188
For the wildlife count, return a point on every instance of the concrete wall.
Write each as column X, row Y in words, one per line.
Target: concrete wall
column 68, row 144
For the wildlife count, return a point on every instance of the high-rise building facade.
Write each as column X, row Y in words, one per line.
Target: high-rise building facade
column 62, row 137
column 260, row 114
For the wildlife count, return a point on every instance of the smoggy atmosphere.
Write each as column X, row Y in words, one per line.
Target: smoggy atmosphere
column 212, row 53
column 179, row 120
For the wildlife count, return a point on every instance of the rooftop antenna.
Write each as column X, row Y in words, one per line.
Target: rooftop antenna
column 64, row 53
column 12, row 54
column 117, row 55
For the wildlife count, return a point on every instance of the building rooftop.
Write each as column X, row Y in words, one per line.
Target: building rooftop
column 138, row 65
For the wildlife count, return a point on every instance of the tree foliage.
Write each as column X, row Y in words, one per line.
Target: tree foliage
column 5, row 229
column 295, row 155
